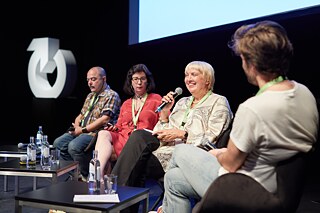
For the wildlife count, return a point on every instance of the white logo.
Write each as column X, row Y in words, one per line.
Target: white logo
column 45, row 59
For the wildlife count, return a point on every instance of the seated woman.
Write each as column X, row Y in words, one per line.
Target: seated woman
column 194, row 120
column 137, row 112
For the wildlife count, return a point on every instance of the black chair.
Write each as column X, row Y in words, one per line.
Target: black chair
column 235, row 192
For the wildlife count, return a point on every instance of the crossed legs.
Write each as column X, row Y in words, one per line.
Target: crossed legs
column 104, row 147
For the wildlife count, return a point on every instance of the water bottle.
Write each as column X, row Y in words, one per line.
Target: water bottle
column 31, row 154
column 45, row 160
column 39, row 137
column 94, row 172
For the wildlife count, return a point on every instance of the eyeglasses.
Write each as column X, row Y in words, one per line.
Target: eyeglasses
column 136, row 79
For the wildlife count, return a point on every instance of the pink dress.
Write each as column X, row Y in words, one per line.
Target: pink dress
column 147, row 119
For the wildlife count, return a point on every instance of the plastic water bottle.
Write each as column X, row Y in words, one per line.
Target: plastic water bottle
column 94, row 172
column 39, row 137
column 45, row 160
column 31, row 154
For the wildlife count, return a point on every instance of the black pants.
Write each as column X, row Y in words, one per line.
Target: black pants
column 136, row 162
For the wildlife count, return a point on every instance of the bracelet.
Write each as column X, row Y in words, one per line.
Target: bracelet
column 164, row 121
column 185, row 135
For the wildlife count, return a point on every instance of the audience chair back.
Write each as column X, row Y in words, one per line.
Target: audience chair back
column 235, row 192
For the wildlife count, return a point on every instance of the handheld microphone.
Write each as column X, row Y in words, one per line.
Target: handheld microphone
column 22, row 146
column 177, row 92
column 207, row 145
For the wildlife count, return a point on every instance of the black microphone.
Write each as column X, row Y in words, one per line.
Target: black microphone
column 177, row 92
column 207, row 145
column 22, row 146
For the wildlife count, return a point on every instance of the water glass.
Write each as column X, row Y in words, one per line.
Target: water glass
column 55, row 156
column 45, row 160
column 110, row 183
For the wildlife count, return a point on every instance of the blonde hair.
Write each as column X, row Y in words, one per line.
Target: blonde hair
column 205, row 69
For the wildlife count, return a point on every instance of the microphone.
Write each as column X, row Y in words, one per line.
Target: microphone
column 23, row 158
column 177, row 92
column 22, row 145
column 206, row 145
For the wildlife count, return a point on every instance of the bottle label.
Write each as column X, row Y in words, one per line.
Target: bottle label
column 31, row 155
column 39, row 136
column 46, row 152
column 98, row 173
column 91, row 172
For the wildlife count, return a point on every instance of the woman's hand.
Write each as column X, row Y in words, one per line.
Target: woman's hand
column 169, row 135
column 169, row 99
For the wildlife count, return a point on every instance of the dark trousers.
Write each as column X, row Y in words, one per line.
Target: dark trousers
column 136, row 162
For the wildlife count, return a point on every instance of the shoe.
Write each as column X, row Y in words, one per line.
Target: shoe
column 82, row 178
column 55, row 211
column 70, row 177
column 159, row 210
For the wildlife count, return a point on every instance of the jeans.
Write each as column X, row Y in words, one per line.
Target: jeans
column 191, row 171
column 72, row 149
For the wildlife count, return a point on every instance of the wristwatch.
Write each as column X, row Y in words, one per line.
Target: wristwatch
column 186, row 135
column 84, row 130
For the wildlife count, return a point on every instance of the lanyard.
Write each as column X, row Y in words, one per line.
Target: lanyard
column 189, row 106
column 136, row 116
column 269, row 84
column 93, row 101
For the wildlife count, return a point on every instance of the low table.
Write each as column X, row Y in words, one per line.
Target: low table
column 60, row 196
column 10, row 151
column 13, row 168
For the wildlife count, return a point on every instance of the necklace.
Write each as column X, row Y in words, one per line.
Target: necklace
column 269, row 84
column 135, row 116
column 189, row 106
column 139, row 96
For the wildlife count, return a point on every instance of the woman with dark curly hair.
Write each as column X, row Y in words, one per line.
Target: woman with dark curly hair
column 137, row 112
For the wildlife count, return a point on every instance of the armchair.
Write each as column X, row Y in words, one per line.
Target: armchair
column 235, row 192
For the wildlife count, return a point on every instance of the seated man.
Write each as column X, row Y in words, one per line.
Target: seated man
column 101, row 106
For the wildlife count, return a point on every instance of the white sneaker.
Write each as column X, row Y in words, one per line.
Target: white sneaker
column 158, row 211
column 55, row 211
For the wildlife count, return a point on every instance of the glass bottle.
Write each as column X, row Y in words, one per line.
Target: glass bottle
column 45, row 160
column 31, row 154
column 39, row 137
column 94, row 172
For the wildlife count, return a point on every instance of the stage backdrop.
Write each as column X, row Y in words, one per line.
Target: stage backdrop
column 96, row 34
